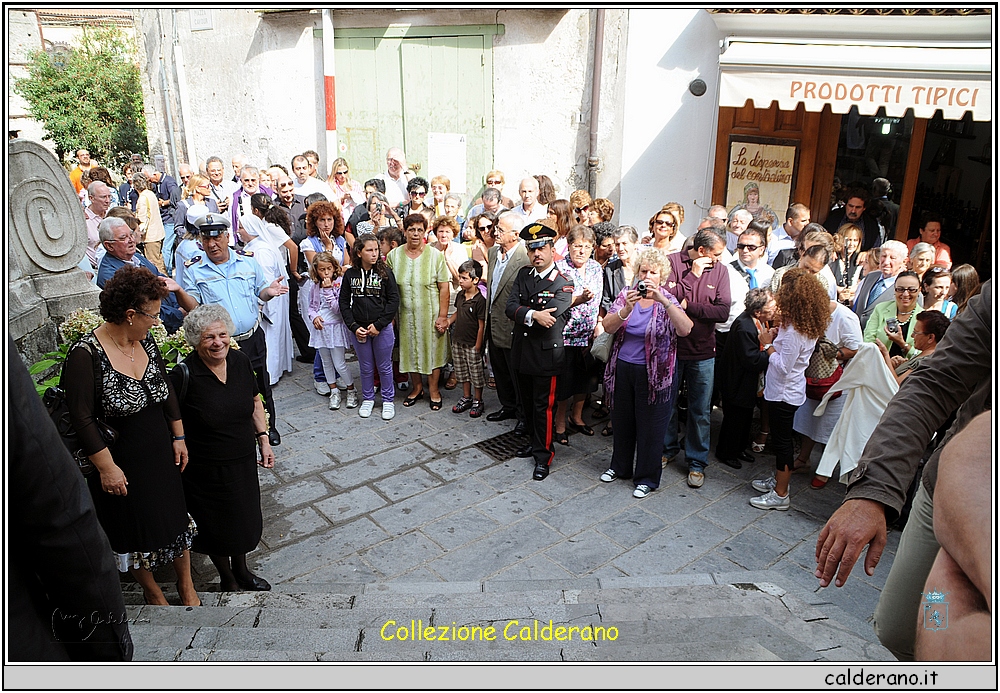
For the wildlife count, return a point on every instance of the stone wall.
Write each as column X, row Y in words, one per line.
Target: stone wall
column 46, row 239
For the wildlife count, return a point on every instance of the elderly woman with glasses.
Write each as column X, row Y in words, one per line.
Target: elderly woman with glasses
column 115, row 378
column 892, row 321
column 225, row 422
column 578, row 378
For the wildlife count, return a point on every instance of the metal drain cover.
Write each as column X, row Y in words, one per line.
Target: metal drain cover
column 502, row 447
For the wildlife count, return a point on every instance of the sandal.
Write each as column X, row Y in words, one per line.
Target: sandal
column 436, row 405
column 607, row 431
column 451, row 383
column 580, row 428
column 491, row 383
column 477, row 408
column 759, row 447
column 601, row 412
column 560, row 438
column 464, row 404
column 413, row 399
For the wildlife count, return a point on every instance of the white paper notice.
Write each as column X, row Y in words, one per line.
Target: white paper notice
column 446, row 155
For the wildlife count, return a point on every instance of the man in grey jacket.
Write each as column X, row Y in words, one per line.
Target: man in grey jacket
column 958, row 376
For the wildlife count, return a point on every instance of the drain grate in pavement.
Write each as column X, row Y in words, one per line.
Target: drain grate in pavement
column 502, row 447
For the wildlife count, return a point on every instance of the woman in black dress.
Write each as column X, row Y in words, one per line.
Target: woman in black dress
column 137, row 491
column 225, row 421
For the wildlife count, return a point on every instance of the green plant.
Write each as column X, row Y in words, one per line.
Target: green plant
column 172, row 347
column 93, row 99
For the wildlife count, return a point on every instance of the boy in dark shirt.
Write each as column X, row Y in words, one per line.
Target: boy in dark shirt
column 468, row 335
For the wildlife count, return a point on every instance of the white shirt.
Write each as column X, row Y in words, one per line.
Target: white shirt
column 779, row 241
column 738, row 290
column 395, row 190
column 786, row 367
column 539, row 211
column 731, row 240
column 763, row 272
column 314, row 185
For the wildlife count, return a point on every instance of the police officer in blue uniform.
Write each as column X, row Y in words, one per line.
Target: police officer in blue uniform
column 538, row 305
column 234, row 280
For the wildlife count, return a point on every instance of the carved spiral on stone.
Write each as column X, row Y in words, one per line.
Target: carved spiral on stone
column 48, row 224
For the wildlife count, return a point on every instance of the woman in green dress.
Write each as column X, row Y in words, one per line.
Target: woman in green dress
column 422, row 276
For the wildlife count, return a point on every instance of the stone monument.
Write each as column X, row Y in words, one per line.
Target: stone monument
column 46, row 240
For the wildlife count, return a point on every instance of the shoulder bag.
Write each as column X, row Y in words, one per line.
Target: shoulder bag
column 55, row 402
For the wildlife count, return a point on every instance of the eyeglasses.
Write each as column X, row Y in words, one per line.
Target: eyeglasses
column 123, row 239
column 578, row 210
column 747, row 246
column 201, row 185
column 908, row 290
column 155, row 318
column 418, row 193
column 185, row 178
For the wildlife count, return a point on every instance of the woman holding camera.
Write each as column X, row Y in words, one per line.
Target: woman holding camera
column 646, row 320
column 892, row 322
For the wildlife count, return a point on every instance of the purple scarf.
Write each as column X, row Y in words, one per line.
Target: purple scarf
column 661, row 350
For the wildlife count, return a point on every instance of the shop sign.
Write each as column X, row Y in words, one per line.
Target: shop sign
column 761, row 176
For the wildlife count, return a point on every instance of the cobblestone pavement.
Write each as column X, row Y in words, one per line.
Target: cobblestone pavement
column 354, row 500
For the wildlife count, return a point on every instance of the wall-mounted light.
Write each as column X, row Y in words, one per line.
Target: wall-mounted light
column 697, row 87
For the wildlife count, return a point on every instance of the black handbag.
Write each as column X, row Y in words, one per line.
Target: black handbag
column 55, row 402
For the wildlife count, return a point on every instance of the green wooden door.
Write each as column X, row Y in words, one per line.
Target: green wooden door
column 396, row 91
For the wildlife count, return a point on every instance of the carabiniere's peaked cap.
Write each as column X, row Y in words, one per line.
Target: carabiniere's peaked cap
column 536, row 235
column 212, row 225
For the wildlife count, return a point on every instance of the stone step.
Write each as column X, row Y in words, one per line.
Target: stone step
column 746, row 621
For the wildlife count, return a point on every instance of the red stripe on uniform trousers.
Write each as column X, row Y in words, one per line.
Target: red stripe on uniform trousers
column 548, row 420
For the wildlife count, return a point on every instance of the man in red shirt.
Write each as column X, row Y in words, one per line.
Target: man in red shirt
column 701, row 283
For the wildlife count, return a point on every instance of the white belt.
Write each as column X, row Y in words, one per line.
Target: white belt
column 248, row 334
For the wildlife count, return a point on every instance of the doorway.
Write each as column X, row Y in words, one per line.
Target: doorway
column 431, row 95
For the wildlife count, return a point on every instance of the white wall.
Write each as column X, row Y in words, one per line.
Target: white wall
column 255, row 84
column 668, row 150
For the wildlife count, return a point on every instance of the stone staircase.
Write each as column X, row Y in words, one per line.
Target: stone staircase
column 713, row 617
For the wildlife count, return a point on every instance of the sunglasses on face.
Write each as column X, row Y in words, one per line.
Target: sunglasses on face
column 665, row 222
column 418, row 193
column 342, row 173
column 494, row 182
column 747, row 246
column 579, row 210
column 485, row 227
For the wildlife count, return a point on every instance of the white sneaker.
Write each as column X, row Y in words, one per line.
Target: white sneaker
column 641, row 491
column 764, row 485
column 609, row 476
column 388, row 410
column 366, row 408
column 352, row 399
column 321, row 387
column 771, row 501
column 335, row 398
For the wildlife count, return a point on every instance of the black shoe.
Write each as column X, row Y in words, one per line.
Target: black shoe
column 256, row 584
column 735, row 464
column 273, row 437
column 746, row 457
column 502, row 415
column 541, row 471
column 305, row 358
column 526, row 451
column 521, row 429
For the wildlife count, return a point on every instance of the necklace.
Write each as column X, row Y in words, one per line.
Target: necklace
column 131, row 356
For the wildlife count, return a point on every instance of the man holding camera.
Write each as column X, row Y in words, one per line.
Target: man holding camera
column 701, row 283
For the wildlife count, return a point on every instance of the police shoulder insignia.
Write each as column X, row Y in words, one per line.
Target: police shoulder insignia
column 568, row 288
column 196, row 258
column 244, row 252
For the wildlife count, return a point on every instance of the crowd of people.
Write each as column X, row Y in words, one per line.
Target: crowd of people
column 547, row 301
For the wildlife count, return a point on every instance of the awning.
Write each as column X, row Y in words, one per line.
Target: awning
column 954, row 78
